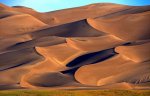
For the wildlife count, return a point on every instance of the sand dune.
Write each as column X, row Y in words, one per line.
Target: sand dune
column 47, row 79
column 103, row 73
column 25, row 56
column 122, row 85
column 19, row 24
column 100, row 45
column 93, row 44
column 75, row 29
column 3, row 7
column 6, row 13
column 137, row 53
column 92, row 10
column 12, row 76
column 62, row 54
column 31, row 43
column 120, row 26
column 12, row 41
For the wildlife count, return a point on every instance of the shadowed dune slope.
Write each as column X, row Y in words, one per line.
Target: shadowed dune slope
column 102, row 45
column 6, row 13
column 75, row 29
column 12, row 41
column 47, row 79
column 25, row 56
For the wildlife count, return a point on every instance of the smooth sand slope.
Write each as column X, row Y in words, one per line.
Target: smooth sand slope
column 19, row 24
column 105, row 46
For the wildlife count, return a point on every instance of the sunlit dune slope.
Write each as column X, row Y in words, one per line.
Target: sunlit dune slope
column 102, row 45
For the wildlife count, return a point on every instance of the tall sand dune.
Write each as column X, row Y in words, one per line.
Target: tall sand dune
column 120, row 26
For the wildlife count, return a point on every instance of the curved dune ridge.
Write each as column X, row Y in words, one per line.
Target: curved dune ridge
column 99, row 45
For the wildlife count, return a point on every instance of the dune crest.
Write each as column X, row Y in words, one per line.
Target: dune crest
column 100, row 45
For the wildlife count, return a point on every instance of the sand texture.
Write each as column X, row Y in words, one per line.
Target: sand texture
column 101, row 45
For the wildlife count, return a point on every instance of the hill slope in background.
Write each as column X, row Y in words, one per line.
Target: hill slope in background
column 101, row 45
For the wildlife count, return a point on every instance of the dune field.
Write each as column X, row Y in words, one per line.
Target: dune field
column 102, row 46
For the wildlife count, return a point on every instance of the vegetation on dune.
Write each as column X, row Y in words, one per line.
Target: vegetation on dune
column 75, row 93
